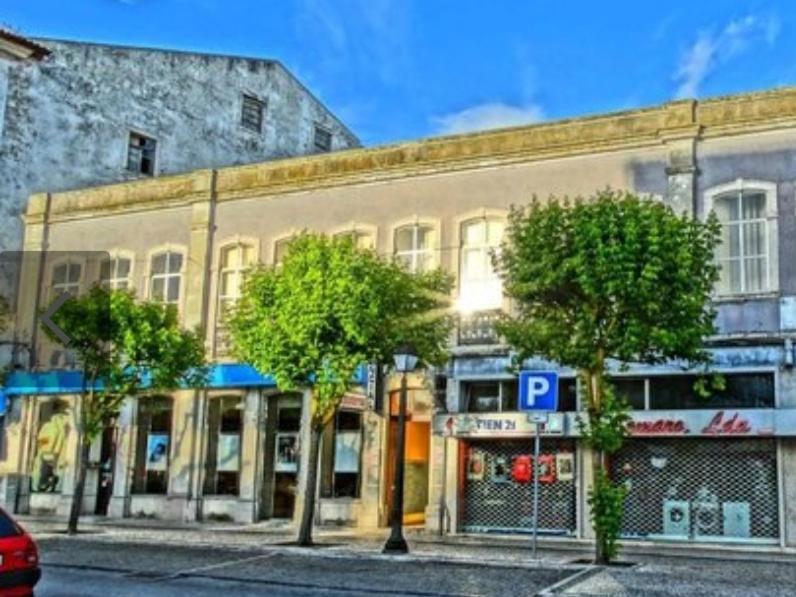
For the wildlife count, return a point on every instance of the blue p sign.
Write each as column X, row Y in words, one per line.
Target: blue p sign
column 538, row 390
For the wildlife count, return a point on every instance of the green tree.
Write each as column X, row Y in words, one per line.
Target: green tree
column 324, row 311
column 123, row 348
column 612, row 278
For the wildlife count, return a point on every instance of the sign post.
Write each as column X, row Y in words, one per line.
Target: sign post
column 538, row 396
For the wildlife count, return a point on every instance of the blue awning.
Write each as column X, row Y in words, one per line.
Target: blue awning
column 2, row 403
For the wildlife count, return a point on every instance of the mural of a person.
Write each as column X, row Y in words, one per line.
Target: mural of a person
column 49, row 464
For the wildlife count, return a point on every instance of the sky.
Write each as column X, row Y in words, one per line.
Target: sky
column 395, row 70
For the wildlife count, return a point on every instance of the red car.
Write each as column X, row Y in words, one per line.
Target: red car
column 19, row 559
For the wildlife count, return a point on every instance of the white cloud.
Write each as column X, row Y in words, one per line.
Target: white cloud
column 712, row 48
column 489, row 115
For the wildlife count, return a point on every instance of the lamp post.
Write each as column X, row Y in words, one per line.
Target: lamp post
column 405, row 360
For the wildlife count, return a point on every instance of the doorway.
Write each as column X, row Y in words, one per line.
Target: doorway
column 286, row 456
column 105, row 470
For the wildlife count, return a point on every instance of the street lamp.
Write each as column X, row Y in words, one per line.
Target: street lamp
column 405, row 360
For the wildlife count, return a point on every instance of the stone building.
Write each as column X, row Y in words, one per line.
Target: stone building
column 77, row 114
column 721, row 471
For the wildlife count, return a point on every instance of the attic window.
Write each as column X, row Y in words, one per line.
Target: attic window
column 251, row 116
column 141, row 154
column 323, row 139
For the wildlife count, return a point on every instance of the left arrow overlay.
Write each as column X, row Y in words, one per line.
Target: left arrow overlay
column 45, row 317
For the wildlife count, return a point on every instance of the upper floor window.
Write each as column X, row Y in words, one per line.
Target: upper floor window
column 251, row 116
column 165, row 277
column 362, row 239
column 281, row 248
column 66, row 278
column 115, row 273
column 141, row 154
column 480, row 287
column 416, row 246
column 747, row 253
column 322, row 139
column 235, row 260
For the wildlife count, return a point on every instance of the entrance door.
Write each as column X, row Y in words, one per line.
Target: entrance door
column 286, row 458
column 105, row 472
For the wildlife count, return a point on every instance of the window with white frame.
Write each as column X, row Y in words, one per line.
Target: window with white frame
column 66, row 278
column 165, row 277
column 744, row 254
column 115, row 273
column 281, row 248
column 480, row 287
column 235, row 261
column 416, row 246
column 362, row 239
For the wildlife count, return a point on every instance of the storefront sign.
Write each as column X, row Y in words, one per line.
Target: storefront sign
column 494, row 425
column 703, row 423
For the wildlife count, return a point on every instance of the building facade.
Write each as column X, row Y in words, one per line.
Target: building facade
column 76, row 114
column 717, row 471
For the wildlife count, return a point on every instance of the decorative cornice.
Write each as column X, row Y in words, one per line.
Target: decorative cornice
column 649, row 127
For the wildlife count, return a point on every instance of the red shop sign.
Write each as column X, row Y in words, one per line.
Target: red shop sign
column 658, row 427
column 735, row 425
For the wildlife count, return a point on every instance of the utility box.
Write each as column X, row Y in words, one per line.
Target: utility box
column 676, row 518
column 737, row 518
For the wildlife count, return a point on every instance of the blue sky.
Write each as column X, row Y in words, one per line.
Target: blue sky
column 403, row 69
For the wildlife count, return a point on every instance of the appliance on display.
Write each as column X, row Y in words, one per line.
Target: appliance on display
column 475, row 466
column 676, row 518
column 707, row 514
column 500, row 470
column 521, row 469
column 547, row 468
column 736, row 519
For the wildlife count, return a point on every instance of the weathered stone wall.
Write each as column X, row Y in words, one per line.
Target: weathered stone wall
column 68, row 118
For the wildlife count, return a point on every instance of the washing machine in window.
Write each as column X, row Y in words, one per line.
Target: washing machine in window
column 676, row 518
column 736, row 517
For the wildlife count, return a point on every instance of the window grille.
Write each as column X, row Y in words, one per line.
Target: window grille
column 251, row 116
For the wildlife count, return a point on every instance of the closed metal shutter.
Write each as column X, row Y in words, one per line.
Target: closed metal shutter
column 700, row 489
column 498, row 503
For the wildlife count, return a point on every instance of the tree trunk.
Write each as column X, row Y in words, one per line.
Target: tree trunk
column 311, row 488
column 598, row 460
column 77, row 495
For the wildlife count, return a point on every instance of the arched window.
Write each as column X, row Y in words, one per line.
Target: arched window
column 416, row 247
column 361, row 237
column 747, row 253
column 115, row 272
column 235, row 261
column 166, row 277
column 480, row 287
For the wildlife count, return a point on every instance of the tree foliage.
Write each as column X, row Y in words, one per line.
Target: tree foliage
column 612, row 278
column 326, row 310
column 123, row 348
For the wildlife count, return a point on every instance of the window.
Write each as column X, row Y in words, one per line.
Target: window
column 165, row 277
column 632, row 389
column 235, row 261
column 415, row 247
column 141, row 154
column 225, row 426
column 115, row 273
column 362, row 239
column 480, row 287
column 153, row 445
column 281, row 247
column 66, row 278
column 490, row 396
column 742, row 390
column 340, row 456
column 251, row 115
column 747, row 212
column 50, row 462
column 322, row 140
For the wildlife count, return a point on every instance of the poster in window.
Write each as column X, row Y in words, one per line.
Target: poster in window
column 228, row 453
column 565, row 466
column 500, row 470
column 157, row 451
column 286, row 453
column 347, row 446
column 475, row 466
column 547, row 468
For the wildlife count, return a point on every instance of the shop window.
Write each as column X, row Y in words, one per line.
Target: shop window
column 341, row 456
column 49, row 464
column 115, row 273
column 416, row 247
column 222, row 461
column 480, row 287
column 166, row 276
column 632, row 389
column 153, row 445
column 742, row 390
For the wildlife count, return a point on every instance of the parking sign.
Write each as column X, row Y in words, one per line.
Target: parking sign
column 538, row 391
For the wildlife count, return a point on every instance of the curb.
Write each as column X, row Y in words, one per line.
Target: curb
column 570, row 581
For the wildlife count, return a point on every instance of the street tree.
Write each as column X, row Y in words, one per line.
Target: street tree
column 326, row 310
column 611, row 280
column 123, row 348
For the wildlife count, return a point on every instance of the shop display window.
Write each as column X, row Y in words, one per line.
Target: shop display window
column 341, row 456
column 153, row 445
column 49, row 463
column 222, row 460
